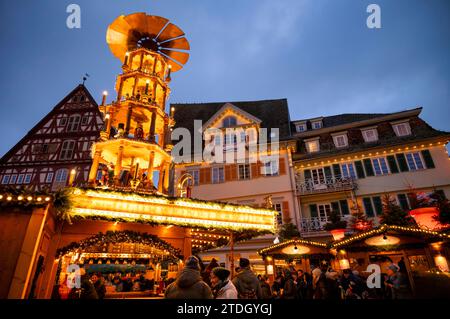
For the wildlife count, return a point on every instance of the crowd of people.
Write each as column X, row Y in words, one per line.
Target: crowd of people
column 195, row 281
column 322, row 283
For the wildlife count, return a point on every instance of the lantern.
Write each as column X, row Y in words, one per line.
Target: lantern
column 344, row 264
column 441, row 263
column 338, row 233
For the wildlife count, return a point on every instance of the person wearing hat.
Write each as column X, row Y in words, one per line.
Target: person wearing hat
column 246, row 283
column 189, row 283
column 222, row 287
column 397, row 284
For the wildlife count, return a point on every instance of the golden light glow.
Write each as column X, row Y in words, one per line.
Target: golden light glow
column 382, row 240
column 9, row 198
column 344, row 264
column 29, row 198
column 20, row 197
column 441, row 263
column 105, row 93
column 170, row 211
column 291, row 250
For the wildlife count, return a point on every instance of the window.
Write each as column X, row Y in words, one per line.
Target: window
column 318, row 176
column 340, row 140
column 49, row 178
column 348, row 170
column 67, row 150
column 20, row 178
column 402, row 129
column 368, row 207
column 301, row 127
column 27, row 179
column 324, row 211
column 370, row 135
column 230, row 139
column 217, row 139
column 74, row 123
column 244, row 171
column 5, row 179
column 63, row 121
column 270, row 168
column 312, row 146
column 316, row 125
column 217, row 175
column 13, row 179
column 414, row 161
column 243, row 136
column 85, row 119
column 403, row 201
column 61, row 176
column 195, row 176
column 229, row 121
column 372, row 206
column 279, row 210
column 380, row 166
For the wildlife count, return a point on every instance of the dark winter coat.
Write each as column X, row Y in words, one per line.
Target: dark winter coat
column 86, row 291
column 290, row 289
column 247, row 283
column 266, row 293
column 100, row 288
column 188, row 285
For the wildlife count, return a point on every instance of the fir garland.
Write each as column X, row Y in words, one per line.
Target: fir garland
column 125, row 236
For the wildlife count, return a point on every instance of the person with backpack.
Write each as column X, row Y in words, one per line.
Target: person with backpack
column 246, row 282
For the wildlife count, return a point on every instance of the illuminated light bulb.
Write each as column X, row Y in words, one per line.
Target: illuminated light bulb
column 39, row 199
column 20, row 197
column 47, row 199
column 107, row 116
column 9, row 198
column 1, row 196
column 29, row 198
column 105, row 93
column 73, row 171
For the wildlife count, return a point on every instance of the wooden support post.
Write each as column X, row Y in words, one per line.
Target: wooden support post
column 94, row 167
column 151, row 137
column 151, row 158
column 118, row 166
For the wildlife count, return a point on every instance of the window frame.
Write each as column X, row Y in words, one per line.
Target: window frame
column 313, row 125
column 5, row 179
column 226, row 122
column 415, row 160
column 61, row 172
column 308, row 148
column 246, row 172
column 48, row 179
column 366, row 138
column 346, row 172
column 395, row 127
column 378, row 162
column 64, row 150
column 27, row 178
column 219, row 180
column 344, row 139
column 73, row 123
column 195, row 173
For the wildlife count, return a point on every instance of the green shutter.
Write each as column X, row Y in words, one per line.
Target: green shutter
column 335, row 206
column 368, row 206
column 359, row 169
column 378, row 205
column 368, row 167
column 307, row 174
column 402, row 162
column 327, row 170
column 313, row 210
column 392, row 164
column 337, row 170
column 344, row 207
column 428, row 159
column 403, row 201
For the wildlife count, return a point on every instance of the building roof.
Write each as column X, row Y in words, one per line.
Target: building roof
column 272, row 113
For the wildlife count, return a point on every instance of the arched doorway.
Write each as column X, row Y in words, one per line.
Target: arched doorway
column 128, row 261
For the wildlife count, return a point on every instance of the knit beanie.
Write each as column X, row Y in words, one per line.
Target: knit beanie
column 221, row 273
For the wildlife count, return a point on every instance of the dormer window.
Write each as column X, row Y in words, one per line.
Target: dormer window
column 229, row 121
column 401, row 129
column 300, row 127
column 370, row 135
column 313, row 145
column 316, row 124
column 340, row 140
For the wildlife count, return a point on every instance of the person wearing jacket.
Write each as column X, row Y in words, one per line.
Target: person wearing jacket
column 189, row 283
column 222, row 288
column 290, row 288
column 246, row 282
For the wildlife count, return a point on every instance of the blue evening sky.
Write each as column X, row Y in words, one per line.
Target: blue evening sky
column 319, row 54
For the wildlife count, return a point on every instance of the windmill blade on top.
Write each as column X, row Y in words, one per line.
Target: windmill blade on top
column 170, row 31
column 155, row 24
column 180, row 57
column 178, row 44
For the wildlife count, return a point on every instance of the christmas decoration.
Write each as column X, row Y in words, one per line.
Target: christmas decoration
column 394, row 214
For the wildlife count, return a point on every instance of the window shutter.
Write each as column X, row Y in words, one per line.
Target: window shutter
column 368, row 167
column 228, row 172
column 402, row 162
column 403, row 201
column 335, row 207
column 378, row 205
column 344, row 207
column 428, row 159
column 254, row 173
column 205, row 175
column 392, row 164
column 233, row 170
column 359, row 169
column 337, row 171
column 327, row 170
column 282, row 166
column 368, row 207
column 285, row 209
column 313, row 210
column 307, row 173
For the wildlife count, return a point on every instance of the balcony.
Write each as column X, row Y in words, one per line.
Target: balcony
column 329, row 185
column 313, row 225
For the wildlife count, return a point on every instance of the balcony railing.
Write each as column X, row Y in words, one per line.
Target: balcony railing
column 325, row 185
column 316, row 224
